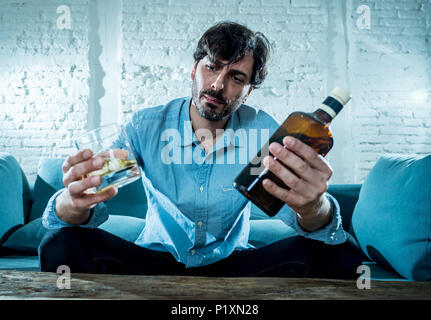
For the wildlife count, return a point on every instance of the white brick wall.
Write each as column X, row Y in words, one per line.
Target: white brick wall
column 390, row 67
column 133, row 54
column 43, row 79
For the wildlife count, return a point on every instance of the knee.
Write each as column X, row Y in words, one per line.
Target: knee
column 57, row 248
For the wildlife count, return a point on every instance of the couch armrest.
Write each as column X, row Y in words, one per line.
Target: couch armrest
column 14, row 195
column 347, row 195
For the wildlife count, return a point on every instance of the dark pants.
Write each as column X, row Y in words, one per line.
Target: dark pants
column 96, row 251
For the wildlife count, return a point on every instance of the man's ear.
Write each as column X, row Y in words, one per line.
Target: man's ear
column 195, row 65
column 248, row 93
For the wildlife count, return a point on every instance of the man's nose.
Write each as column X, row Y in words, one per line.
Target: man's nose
column 218, row 84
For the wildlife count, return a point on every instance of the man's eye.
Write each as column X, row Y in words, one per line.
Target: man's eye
column 210, row 67
column 237, row 79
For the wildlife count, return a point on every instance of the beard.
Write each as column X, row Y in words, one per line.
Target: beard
column 208, row 110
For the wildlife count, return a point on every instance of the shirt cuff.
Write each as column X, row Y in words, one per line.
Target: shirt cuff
column 332, row 233
column 50, row 220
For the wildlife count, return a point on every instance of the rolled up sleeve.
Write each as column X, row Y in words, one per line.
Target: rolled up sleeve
column 50, row 220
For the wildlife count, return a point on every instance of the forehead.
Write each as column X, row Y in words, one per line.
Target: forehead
column 245, row 64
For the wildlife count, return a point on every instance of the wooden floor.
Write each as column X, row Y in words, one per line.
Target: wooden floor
column 41, row 285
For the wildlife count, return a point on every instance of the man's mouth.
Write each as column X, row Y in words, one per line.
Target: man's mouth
column 213, row 100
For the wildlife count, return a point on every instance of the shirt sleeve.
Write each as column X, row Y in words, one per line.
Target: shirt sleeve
column 332, row 233
column 50, row 220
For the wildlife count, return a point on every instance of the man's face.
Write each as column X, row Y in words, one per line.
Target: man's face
column 219, row 89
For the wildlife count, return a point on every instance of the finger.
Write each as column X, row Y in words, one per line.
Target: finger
column 76, row 188
column 296, row 173
column 285, row 175
column 90, row 200
column 290, row 197
column 115, row 153
column 307, row 153
column 289, row 159
column 81, row 169
column 78, row 157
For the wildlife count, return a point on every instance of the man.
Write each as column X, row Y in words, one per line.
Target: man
column 196, row 223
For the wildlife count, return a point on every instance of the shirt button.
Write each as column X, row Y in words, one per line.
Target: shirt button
column 201, row 188
column 193, row 251
column 200, row 224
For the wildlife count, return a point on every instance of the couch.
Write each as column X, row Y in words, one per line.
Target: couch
column 368, row 216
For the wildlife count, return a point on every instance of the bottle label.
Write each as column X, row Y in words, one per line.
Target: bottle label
column 328, row 110
column 334, row 104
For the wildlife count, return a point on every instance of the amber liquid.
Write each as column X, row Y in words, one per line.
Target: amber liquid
column 311, row 128
column 117, row 172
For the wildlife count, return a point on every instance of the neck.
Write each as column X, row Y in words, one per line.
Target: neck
column 199, row 122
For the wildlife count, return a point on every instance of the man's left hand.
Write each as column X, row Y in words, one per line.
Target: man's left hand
column 306, row 173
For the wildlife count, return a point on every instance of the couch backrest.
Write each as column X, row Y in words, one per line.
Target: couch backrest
column 130, row 200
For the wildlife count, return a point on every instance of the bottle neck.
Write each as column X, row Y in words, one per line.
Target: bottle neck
column 322, row 116
column 329, row 109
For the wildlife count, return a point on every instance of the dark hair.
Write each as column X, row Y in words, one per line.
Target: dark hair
column 231, row 41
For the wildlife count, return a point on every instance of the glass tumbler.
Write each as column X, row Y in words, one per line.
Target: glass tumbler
column 112, row 144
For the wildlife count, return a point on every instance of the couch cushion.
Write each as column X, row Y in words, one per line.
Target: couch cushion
column 19, row 263
column 257, row 214
column 128, row 228
column 49, row 180
column 392, row 218
column 378, row 273
column 26, row 239
column 131, row 200
column 14, row 195
column 264, row 232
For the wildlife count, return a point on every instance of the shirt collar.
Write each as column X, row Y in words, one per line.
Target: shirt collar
column 185, row 125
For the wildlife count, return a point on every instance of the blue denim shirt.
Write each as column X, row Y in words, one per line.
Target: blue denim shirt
column 193, row 211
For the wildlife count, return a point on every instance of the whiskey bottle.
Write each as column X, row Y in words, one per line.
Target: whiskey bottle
column 311, row 128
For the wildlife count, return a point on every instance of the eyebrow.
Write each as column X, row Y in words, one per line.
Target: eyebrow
column 232, row 71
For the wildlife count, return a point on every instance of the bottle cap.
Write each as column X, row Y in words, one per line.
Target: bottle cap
column 341, row 94
column 336, row 100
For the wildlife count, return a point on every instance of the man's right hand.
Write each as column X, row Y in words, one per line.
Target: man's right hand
column 74, row 203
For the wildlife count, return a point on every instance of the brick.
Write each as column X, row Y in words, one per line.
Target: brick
column 391, row 5
column 306, row 3
column 403, row 131
column 418, row 22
